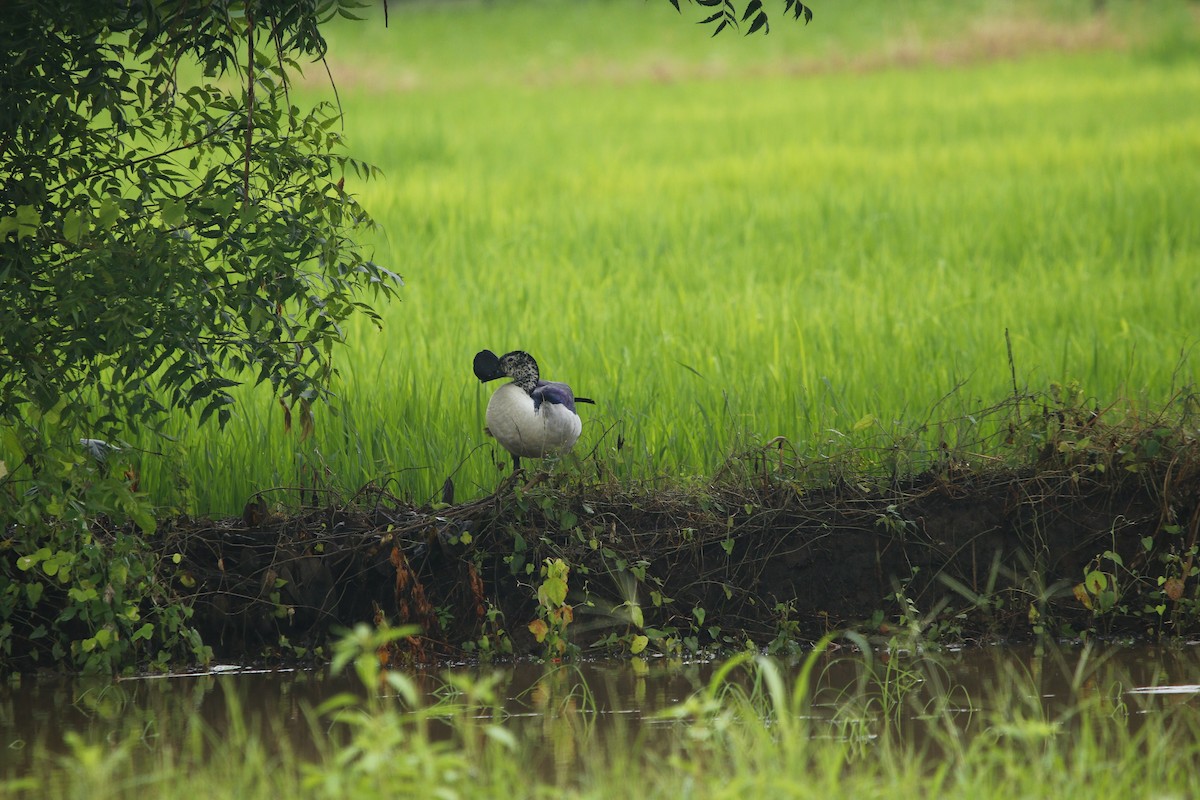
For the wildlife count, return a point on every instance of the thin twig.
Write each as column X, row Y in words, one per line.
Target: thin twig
column 249, row 103
column 1012, row 368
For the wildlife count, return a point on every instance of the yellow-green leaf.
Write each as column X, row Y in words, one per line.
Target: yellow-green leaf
column 635, row 614
column 1096, row 581
column 866, row 422
column 28, row 221
column 172, row 212
column 638, row 644
column 73, row 226
column 109, row 211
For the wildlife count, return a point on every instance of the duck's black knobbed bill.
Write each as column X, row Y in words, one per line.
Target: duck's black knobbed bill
column 487, row 366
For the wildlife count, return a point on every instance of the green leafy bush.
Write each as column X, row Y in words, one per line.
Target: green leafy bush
column 165, row 232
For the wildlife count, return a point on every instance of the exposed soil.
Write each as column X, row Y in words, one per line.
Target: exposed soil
column 979, row 554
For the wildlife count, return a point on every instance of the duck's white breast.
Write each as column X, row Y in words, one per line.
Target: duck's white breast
column 530, row 433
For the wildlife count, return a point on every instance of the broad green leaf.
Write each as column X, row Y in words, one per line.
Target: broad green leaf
column 74, row 226
column 28, row 221
column 109, row 211
column 173, row 212
column 636, row 617
column 554, row 591
column 12, row 443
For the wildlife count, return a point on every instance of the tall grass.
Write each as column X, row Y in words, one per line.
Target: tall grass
column 732, row 240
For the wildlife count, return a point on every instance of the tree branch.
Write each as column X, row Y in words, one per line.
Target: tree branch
column 249, row 101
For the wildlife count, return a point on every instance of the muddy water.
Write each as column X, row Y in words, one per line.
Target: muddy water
column 556, row 705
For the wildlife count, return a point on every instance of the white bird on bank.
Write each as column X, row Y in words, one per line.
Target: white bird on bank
column 530, row 417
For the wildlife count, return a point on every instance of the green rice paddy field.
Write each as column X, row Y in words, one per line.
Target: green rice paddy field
column 822, row 234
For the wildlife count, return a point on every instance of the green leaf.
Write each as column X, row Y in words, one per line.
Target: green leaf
column 144, row 632
column 28, row 221
column 74, row 226
column 638, row 644
column 109, row 211
column 867, row 421
column 751, row 7
column 12, row 443
column 635, row 615
column 143, row 517
column 173, row 212
column 553, row 591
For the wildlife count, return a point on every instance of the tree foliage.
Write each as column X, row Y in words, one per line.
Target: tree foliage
column 170, row 224
column 727, row 14
column 160, row 238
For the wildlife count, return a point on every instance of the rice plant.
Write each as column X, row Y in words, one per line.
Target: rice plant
column 825, row 235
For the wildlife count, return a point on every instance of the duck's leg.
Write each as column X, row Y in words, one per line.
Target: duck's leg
column 508, row 483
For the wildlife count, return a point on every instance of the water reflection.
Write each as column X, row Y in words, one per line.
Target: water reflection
column 562, row 708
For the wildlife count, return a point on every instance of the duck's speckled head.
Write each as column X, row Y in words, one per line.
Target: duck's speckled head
column 517, row 365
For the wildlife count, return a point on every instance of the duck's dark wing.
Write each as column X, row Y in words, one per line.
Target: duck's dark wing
column 553, row 392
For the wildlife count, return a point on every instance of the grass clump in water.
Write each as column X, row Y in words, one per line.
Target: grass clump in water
column 750, row 731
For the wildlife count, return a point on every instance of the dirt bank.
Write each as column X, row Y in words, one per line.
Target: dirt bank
column 1064, row 546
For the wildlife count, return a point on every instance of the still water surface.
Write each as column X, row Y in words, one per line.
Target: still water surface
column 550, row 705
